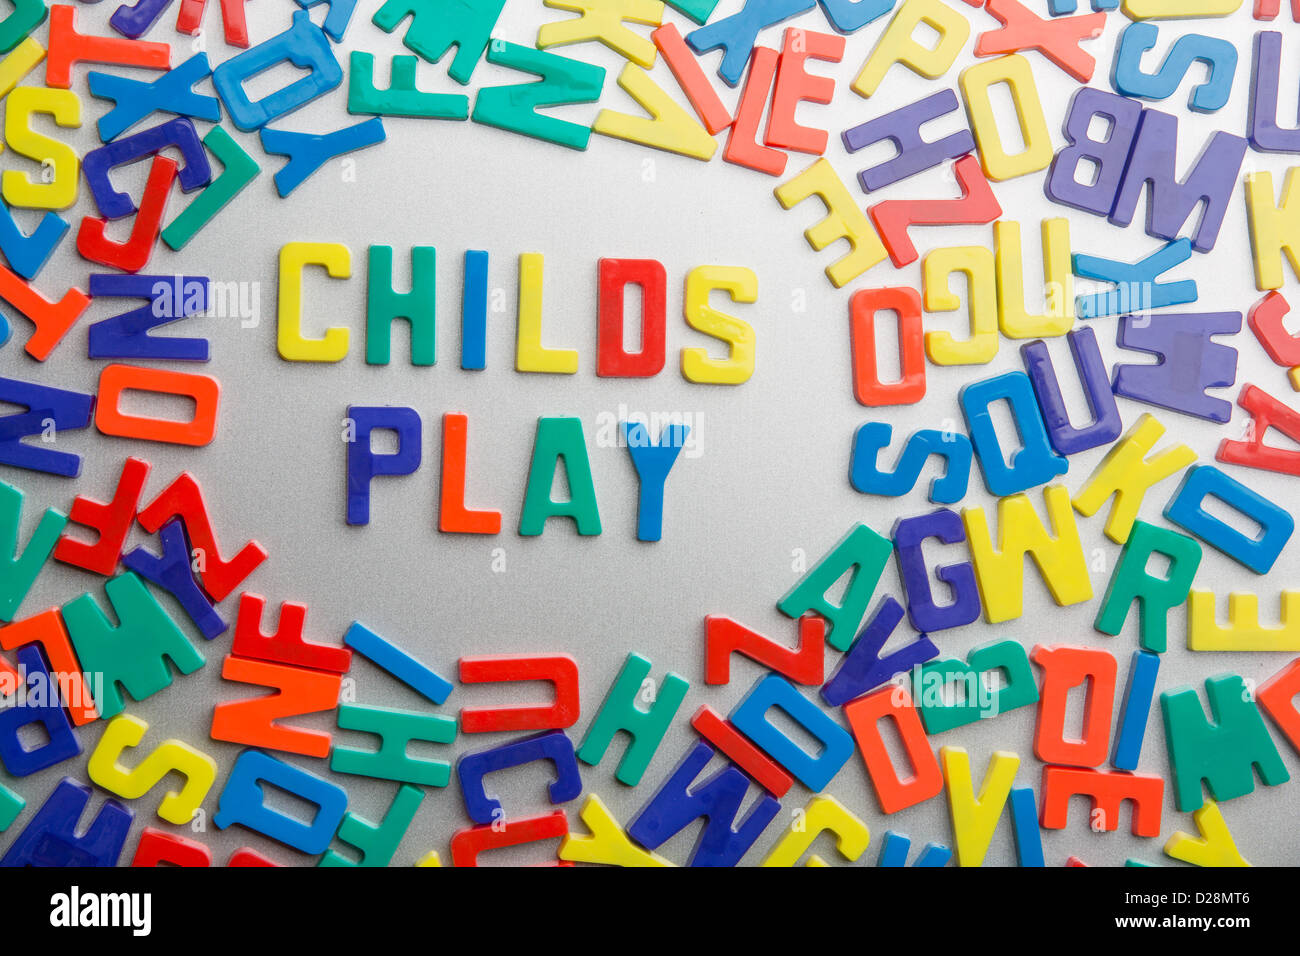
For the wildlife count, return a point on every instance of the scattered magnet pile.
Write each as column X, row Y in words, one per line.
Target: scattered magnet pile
column 71, row 667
